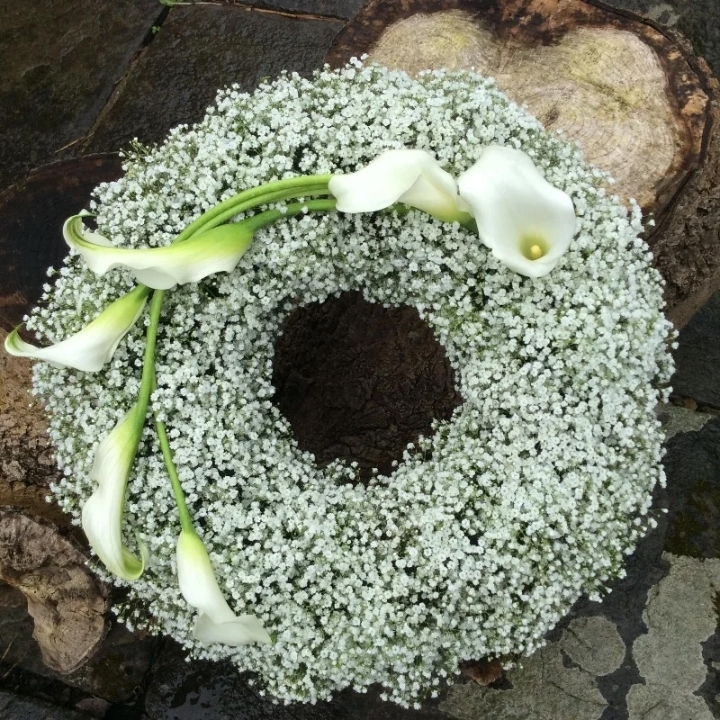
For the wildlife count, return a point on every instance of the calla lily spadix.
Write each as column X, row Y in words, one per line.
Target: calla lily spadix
column 102, row 514
column 217, row 623
column 94, row 345
column 526, row 222
column 216, row 250
column 412, row 177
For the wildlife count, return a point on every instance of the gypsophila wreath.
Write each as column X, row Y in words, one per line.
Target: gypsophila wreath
column 489, row 530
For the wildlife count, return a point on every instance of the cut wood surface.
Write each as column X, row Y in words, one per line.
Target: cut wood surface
column 630, row 94
column 68, row 604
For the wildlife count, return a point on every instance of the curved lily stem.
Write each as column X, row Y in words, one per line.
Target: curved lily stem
column 148, row 374
column 269, row 197
column 268, row 217
column 185, row 519
column 306, row 184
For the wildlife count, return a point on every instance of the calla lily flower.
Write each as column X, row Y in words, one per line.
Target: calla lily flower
column 526, row 222
column 95, row 344
column 103, row 512
column 217, row 250
column 217, row 623
column 412, row 177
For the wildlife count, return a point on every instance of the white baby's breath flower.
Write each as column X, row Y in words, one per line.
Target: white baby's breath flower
column 493, row 526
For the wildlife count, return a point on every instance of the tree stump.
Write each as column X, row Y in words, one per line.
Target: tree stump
column 631, row 94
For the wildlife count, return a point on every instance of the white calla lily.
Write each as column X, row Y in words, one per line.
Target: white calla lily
column 217, row 623
column 526, row 222
column 413, row 177
column 102, row 514
column 94, row 345
column 217, row 250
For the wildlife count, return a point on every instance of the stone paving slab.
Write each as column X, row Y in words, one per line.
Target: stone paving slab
column 216, row 691
column 692, row 465
column 16, row 708
column 697, row 358
column 198, row 50
column 59, row 62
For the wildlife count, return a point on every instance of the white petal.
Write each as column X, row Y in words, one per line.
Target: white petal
column 103, row 512
column 94, row 345
column 513, row 204
column 200, row 588
column 243, row 630
column 413, row 177
column 217, row 250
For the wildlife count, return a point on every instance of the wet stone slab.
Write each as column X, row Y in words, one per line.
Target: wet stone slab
column 181, row 690
column 13, row 707
column 116, row 672
column 680, row 616
column 59, row 62
column 677, row 419
column 197, row 50
column 692, row 466
column 697, row 358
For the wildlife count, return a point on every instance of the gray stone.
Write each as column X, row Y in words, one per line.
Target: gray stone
column 696, row 19
column 676, row 419
column 94, row 706
column 542, row 689
column 59, row 62
column 650, row 702
column 13, row 707
column 680, row 616
column 594, row 644
column 198, row 50
column 692, row 467
column 697, row 358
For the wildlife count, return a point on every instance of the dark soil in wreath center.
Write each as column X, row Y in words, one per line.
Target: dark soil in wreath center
column 359, row 381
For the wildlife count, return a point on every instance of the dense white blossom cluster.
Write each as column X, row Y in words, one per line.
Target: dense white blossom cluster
column 489, row 530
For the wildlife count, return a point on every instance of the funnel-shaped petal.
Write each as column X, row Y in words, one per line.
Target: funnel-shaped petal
column 217, row 250
column 412, row 177
column 102, row 514
column 216, row 622
column 525, row 221
column 95, row 344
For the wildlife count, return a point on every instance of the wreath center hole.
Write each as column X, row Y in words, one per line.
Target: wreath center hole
column 358, row 381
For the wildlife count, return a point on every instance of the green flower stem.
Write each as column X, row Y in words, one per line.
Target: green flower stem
column 185, row 519
column 275, row 196
column 147, row 385
column 253, row 197
column 148, row 374
column 268, row 217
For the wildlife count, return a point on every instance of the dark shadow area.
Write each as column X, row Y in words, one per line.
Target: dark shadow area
column 359, row 381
